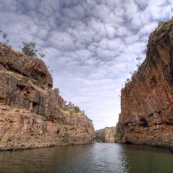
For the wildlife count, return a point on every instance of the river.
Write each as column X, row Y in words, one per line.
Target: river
column 94, row 158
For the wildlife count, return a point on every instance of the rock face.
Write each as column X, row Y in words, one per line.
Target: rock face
column 31, row 114
column 106, row 135
column 147, row 101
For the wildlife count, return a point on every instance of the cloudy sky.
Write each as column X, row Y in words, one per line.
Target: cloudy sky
column 91, row 45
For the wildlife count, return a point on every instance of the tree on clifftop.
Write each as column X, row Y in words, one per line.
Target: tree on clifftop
column 77, row 109
column 4, row 36
column 30, row 49
column 56, row 90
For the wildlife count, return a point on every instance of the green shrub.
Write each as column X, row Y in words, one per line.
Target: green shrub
column 99, row 139
column 66, row 138
column 30, row 49
column 76, row 108
column 56, row 90
column 160, row 23
column 40, row 81
column 91, row 120
column 4, row 39
column 15, row 65
column 44, row 115
column 19, row 107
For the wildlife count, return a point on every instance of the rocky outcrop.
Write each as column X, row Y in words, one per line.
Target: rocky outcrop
column 32, row 68
column 31, row 114
column 106, row 135
column 21, row 129
column 147, row 101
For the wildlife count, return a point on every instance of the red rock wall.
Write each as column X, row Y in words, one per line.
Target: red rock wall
column 147, row 101
column 108, row 134
column 31, row 105
column 22, row 129
column 32, row 68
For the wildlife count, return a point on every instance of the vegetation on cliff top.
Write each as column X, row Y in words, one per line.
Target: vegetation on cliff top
column 4, row 36
column 128, row 80
column 30, row 49
column 27, row 48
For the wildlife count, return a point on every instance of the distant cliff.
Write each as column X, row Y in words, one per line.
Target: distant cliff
column 147, row 101
column 105, row 135
column 31, row 114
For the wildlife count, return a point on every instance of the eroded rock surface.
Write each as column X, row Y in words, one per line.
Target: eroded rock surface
column 106, row 135
column 31, row 114
column 147, row 101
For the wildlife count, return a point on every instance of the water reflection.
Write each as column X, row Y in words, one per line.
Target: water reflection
column 95, row 158
column 148, row 159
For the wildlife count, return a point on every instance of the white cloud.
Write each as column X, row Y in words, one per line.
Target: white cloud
column 131, row 9
column 147, row 28
column 91, row 46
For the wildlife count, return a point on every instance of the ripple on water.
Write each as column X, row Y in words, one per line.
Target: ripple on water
column 94, row 158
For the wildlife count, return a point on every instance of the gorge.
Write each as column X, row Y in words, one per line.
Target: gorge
column 33, row 115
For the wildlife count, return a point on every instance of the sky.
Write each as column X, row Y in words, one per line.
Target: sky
column 91, row 46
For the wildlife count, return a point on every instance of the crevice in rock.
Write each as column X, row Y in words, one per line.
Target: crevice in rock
column 128, row 142
column 145, row 122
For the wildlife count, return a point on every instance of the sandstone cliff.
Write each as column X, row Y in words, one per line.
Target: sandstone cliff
column 31, row 114
column 147, row 101
column 106, row 135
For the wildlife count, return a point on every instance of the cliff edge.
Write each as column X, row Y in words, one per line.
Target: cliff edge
column 31, row 114
column 105, row 135
column 147, row 101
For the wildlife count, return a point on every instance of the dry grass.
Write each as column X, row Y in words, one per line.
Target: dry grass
column 17, row 76
column 20, row 77
column 38, row 88
column 70, row 112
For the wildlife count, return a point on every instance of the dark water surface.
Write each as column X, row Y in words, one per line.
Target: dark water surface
column 94, row 158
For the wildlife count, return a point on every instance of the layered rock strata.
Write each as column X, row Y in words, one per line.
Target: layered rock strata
column 31, row 114
column 147, row 101
column 106, row 135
